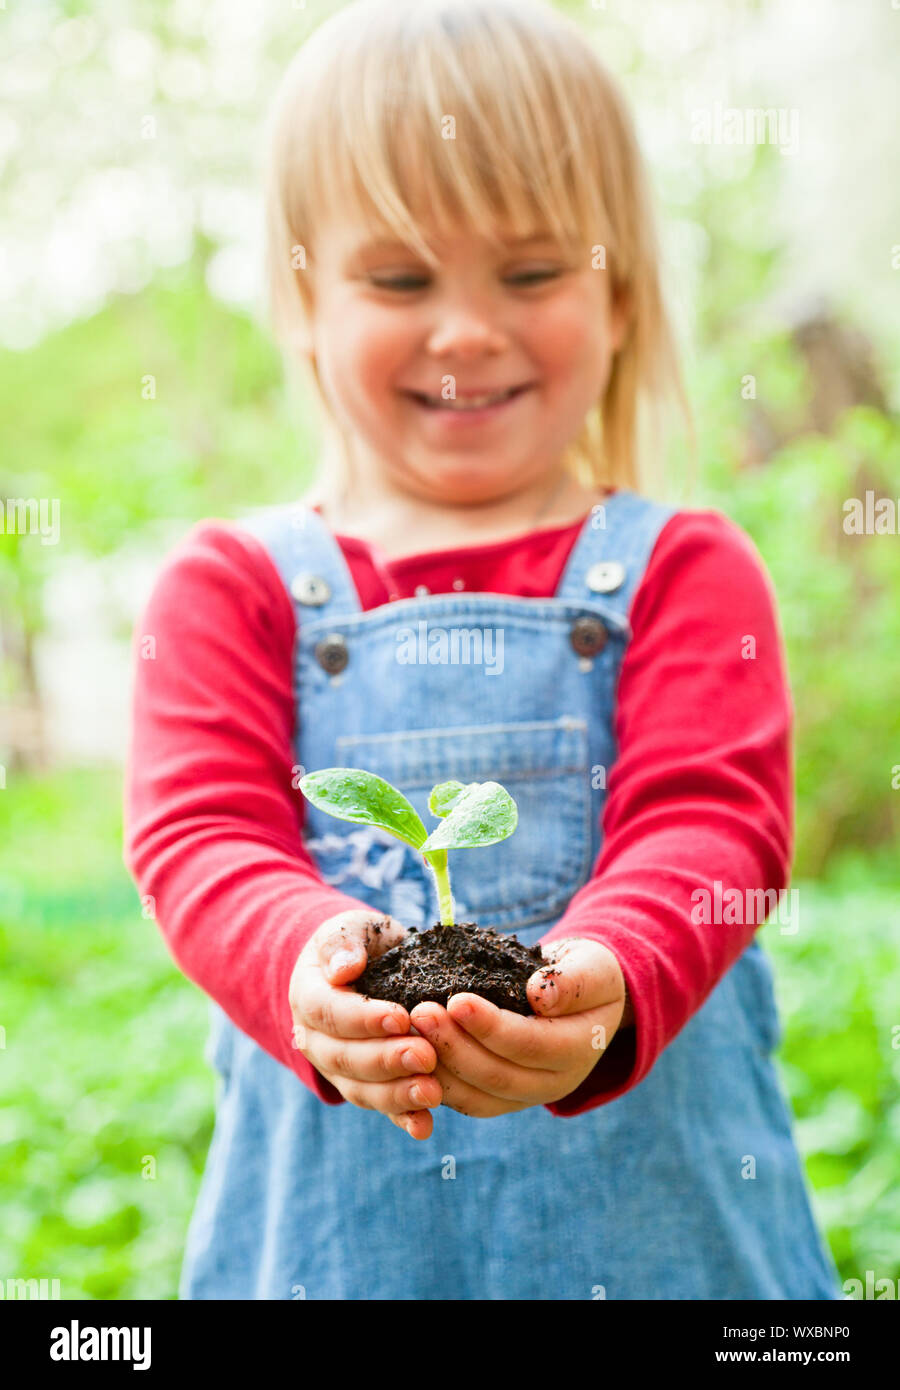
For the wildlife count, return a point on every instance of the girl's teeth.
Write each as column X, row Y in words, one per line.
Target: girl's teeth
column 469, row 402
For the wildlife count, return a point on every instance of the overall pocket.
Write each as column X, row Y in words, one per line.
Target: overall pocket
column 544, row 764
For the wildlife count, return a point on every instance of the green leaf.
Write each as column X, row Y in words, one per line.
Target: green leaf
column 349, row 793
column 444, row 797
column 482, row 814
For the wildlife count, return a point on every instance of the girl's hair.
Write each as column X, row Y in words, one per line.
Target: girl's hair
column 420, row 116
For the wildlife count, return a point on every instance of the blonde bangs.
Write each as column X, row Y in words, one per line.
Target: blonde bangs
column 420, row 118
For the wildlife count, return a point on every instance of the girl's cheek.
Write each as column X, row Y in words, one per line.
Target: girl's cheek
column 552, row 334
column 573, row 327
column 380, row 348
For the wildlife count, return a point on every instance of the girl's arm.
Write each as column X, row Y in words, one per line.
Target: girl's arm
column 700, row 793
column 212, row 819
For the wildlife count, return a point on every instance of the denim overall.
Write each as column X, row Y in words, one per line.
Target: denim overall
column 687, row 1187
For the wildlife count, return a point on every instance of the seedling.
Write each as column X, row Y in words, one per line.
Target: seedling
column 475, row 813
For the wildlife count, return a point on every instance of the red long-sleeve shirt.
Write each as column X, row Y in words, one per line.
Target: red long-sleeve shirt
column 700, row 792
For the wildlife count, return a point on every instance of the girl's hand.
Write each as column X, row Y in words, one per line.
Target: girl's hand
column 362, row 1046
column 493, row 1060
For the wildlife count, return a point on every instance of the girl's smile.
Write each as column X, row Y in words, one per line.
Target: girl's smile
column 467, row 408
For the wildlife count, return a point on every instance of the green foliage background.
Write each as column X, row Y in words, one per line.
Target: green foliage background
column 101, row 1063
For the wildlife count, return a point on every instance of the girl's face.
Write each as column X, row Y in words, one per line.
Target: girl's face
column 465, row 384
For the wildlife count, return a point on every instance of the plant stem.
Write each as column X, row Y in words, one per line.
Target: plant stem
column 437, row 862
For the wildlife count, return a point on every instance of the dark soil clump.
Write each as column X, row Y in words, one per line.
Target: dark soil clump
column 444, row 961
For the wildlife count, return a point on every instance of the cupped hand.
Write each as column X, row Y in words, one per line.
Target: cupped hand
column 492, row 1061
column 364, row 1047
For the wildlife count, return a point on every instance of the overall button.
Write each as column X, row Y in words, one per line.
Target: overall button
column 310, row 589
column 605, row 577
column 332, row 654
column 588, row 636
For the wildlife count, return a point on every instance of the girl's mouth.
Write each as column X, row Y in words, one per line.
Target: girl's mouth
column 468, row 409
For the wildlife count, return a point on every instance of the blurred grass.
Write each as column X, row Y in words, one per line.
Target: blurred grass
column 103, row 1060
column 103, row 1063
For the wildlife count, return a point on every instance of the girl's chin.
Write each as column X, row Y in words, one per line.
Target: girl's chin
column 480, row 472
column 461, row 484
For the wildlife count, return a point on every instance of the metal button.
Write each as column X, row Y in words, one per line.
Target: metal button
column 311, row 589
column 605, row 577
column 332, row 654
column 588, row 636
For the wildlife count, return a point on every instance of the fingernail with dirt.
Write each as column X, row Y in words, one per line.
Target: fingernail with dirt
column 549, row 994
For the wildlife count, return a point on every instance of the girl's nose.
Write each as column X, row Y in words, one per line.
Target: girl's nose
column 463, row 334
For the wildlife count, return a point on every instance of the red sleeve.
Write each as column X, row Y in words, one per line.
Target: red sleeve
column 701, row 789
column 212, row 819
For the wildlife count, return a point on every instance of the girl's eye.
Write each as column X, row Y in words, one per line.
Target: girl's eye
column 398, row 282
column 411, row 282
column 535, row 277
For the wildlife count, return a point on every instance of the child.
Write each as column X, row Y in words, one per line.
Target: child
column 461, row 247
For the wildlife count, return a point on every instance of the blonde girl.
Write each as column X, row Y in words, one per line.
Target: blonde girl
column 463, row 260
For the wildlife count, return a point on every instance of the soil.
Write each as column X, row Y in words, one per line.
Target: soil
column 444, row 961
